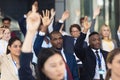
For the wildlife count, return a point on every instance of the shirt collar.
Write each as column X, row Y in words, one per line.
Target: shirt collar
column 94, row 50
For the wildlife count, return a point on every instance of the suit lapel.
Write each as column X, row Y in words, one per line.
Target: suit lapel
column 91, row 53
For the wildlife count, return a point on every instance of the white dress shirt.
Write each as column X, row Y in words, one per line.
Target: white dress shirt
column 103, row 66
column 3, row 46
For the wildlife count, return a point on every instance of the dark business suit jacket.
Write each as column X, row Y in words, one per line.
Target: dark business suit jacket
column 68, row 44
column 87, row 57
column 69, row 57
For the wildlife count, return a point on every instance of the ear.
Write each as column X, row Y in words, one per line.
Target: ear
column 109, row 65
column 9, row 47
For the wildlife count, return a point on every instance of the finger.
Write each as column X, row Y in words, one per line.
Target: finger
column 48, row 13
column 43, row 13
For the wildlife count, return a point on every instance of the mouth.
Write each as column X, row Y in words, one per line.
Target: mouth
column 60, row 74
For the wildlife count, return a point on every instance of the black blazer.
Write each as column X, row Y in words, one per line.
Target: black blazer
column 87, row 57
column 68, row 44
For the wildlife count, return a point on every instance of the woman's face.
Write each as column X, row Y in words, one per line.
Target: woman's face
column 15, row 48
column 6, row 35
column 54, row 67
column 105, row 32
column 115, row 66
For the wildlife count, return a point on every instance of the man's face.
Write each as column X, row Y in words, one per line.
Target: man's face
column 75, row 32
column 57, row 41
column 6, row 23
column 95, row 41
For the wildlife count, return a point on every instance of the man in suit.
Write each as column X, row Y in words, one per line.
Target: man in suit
column 94, row 66
column 57, row 43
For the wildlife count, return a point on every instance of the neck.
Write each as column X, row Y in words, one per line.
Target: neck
column 115, row 77
column 15, row 58
column 106, row 38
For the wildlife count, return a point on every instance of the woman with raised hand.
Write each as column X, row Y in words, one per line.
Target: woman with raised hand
column 47, row 70
column 5, row 35
column 108, row 44
column 113, row 64
column 9, row 62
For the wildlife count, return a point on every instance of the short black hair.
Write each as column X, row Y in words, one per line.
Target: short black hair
column 93, row 33
column 54, row 32
column 6, row 18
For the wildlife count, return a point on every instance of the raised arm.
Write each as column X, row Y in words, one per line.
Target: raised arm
column 33, row 22
column 58, row 24
column 95, row 14
column 39, row 39
column 79, row 46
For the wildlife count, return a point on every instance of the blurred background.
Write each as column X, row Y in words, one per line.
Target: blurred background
column 110, row 11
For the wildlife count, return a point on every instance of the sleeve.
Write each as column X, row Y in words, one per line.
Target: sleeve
column 25, row 72
column 79, row 46
column 57, row 25
column 92, row 25
column 38, row 44
column 22, row 24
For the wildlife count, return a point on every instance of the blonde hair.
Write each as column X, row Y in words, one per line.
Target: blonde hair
column 101, row 29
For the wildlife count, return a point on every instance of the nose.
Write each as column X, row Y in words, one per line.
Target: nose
column 18, row 48
column 58, row 68
column 58, row 40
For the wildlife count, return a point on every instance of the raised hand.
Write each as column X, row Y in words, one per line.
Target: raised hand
column 52, row 13
column 34, row 5
column 96, row 12
column 65, row 15
column 86, row 24
column 46, row 18
column 33, row 20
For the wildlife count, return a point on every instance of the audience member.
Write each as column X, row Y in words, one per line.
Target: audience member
column 6, row 22
column 57, row 43
column 113, row 65
column 92, row 57
column 47, row 70
column 9, row 61
column 108, row 44
column 5, row 36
